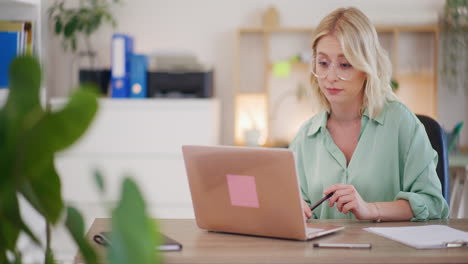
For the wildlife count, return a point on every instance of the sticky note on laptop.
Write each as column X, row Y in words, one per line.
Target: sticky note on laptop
column 242, row 190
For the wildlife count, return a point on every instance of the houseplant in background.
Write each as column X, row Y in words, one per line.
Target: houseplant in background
column 29, row 138
column 75, row 25
column 454, row 45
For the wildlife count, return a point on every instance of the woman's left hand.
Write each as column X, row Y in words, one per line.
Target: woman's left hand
column 348, row 199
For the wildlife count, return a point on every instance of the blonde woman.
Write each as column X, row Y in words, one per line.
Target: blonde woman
column 365, row 147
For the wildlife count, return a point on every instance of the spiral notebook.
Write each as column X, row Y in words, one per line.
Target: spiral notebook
column 424, row 237
column 168, row 244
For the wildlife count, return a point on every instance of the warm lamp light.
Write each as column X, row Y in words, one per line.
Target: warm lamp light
column 251, row 119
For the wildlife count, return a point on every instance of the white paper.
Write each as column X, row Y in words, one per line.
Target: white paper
column 430, row 236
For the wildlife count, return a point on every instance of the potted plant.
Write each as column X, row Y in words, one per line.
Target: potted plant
column 29, row 138
column 73, row 24
column 454, row 45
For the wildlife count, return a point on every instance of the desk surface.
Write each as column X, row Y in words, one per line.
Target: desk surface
column 200, row 246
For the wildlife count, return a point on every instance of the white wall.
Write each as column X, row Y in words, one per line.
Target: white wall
column 207, row 28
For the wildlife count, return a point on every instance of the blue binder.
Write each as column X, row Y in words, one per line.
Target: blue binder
column 122, row 49
column 138, row 68
column 10, row 43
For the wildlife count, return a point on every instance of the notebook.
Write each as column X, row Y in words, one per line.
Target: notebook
column 167, row 244
column 244, row 190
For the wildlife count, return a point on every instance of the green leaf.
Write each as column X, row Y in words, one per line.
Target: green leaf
column 133, row 237
column 43, row 191
column 25, row 83
column 57, row 131
column 11, row 221
column 58, row 25
column 9, row 214
column 61, row 129
column 73, row 43
column 99, row 181
column 70, row 27
column 49, row 257
column 75, row 225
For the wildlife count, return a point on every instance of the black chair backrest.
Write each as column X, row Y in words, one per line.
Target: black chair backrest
column 438, row 141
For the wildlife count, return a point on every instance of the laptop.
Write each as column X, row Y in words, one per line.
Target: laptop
column 245, row 190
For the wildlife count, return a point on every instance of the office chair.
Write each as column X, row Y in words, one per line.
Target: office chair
column 438, row 141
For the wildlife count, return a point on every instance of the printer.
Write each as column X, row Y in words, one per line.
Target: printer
column 178, row 74
column 180, row 84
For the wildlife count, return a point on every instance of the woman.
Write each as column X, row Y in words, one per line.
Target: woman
column 364, row 146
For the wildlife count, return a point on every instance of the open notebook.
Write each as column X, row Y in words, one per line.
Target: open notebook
column 428, row 236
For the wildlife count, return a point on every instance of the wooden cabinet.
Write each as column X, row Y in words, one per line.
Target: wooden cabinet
column 134, row 138
column 141, row 139
column 269, row 77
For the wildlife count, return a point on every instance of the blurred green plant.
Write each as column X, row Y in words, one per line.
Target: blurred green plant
column 29, row 138
column 133, row 237
column 85, row 19
column 394, row 84
column 454, row 45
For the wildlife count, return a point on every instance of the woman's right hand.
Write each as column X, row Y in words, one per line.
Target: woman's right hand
column 307, row 211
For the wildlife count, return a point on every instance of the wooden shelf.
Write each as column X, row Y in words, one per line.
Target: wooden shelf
column 20, row 2
column 277, row 30
column 381, row 29
column 413, row 28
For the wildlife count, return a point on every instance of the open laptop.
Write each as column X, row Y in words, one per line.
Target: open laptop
column 245, row 190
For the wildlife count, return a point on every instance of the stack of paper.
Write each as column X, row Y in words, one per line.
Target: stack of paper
column 430, row 236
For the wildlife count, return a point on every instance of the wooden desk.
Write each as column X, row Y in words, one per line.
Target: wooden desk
column 200, row 246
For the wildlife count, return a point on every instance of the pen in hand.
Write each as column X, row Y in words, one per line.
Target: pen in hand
column 326, row 197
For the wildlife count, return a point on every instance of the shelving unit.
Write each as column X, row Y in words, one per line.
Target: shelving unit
column 412, row 50
column 27, row 10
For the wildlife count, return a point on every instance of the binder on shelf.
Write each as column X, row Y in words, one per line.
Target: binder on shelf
column 138, row 82
column 25, row 30
column 28, row 37
column 10, row 49
column 122, row 49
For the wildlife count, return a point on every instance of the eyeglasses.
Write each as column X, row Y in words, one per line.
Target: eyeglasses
column 320, row 67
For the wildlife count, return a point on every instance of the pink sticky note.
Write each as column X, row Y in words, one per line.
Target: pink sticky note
column 242, row 190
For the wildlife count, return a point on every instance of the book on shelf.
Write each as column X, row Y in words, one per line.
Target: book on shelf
column 10, row 49
column 16, row 38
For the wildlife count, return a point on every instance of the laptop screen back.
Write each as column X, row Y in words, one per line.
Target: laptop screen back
column 245, row 190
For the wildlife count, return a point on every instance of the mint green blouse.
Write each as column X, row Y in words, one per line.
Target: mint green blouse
column 393, row 160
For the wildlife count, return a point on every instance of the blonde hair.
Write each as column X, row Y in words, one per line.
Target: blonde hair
column 362, row 49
